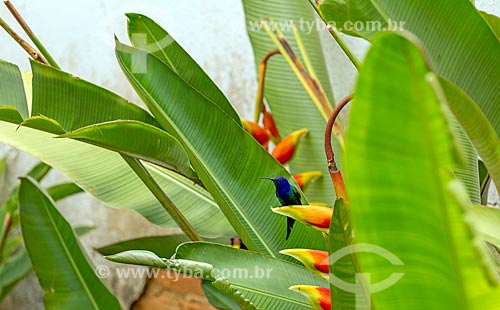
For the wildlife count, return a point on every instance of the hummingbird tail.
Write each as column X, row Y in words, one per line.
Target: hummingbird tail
column 289, row 225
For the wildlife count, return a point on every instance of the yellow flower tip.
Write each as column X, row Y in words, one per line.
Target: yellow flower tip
column 319, row 297
column 315, row 261
column 305, row 179
column 318, row 217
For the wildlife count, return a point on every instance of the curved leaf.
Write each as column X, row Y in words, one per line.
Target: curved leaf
column 75, row 103
column 145, row 34
column 139, row 140
column 421, row 222
column 290, row 104
column 106, row 176
column 477, row 127
column 64, row 273
column 163, row 246
column 261, row 279
column 228, row 160
column 11, row 89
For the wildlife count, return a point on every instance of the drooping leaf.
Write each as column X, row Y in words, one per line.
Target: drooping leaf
column 145, row 34
column 13, row 270
column 421, row 224
column 12, row 90
column 61, row 191
column 477, row 127
column 75, row 103
column 290, row 104
column 262, row 280
column 139, row 140
column 228, row 160
column 216, row 298
column 163, row 246
column 98, row 170
column 62, row 269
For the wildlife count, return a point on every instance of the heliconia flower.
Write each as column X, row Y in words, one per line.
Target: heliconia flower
column 319, row 297
column 270, row 125
column 259, row 133
column 305, row 179
column 318, row 217
column 284, row 151
column 314, row 260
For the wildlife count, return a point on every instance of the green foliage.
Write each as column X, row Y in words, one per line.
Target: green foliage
column 61, row 267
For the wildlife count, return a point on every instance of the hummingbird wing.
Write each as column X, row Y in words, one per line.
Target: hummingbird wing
column 296, row 196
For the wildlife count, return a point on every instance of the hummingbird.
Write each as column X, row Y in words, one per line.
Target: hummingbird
column 288, row 195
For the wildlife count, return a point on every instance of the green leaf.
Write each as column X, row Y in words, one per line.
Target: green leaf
column 43, row 123
column 216, row 298
column 145, row 34
column 75, row 103
column 453, row 32
column 344, row 14
column 107, row 177
column 139, row 140
column 12, row 90
column 261, row 279
column 69, row 281
column 477, row 127
column 290, row 104
column 138, row 257
column 13, row 270
column 61, row 191
column 402, row 195
column 83, row 230
column 228, row 160
column 10, row 114
column 493, row 21
column 163, row 246
column 486, row 221
column 345, row 268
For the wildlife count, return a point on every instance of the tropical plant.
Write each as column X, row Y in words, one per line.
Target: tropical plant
column 412, row 189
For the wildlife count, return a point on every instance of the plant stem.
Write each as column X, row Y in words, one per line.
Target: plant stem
column 296, row 66
column 160, row 195
column 25, row 45
column 7, row 225
column 335, row 174
column 344, row 47
column 336, row 37
column 259, row 102
column 31, row 35
column 310, row 70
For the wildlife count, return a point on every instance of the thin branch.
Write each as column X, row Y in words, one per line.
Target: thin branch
column 335, row 174
column 344, row 46
column 30, row 34
column 259, row 102
column 7, row 225
column 160, row 195
column 25, row 45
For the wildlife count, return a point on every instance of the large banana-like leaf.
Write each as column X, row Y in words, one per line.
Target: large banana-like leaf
column 292, row 108
column 402, row 194
column 145, row 34
column 262, row 280
column 139, row 140
column 459, row 42
column 252, row 280
column 76, row 103
column 228, row 161
column 103, row 173
column 69, row 281
column 477, row 127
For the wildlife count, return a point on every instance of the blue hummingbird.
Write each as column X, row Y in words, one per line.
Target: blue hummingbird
column 288, row 195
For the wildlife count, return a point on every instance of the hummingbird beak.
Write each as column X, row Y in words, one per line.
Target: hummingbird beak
column 267, row 178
